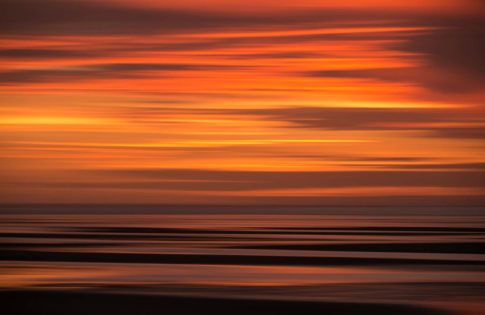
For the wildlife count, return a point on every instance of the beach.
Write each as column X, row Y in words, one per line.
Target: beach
column 242, row 264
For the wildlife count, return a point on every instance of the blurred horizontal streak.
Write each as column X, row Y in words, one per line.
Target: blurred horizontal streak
column 262, row 260
column 367, row 191
column 265, row 91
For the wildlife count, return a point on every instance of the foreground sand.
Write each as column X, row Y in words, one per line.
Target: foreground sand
column 53, row 303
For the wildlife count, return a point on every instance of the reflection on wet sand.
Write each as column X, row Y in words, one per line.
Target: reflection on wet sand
column 320, row 263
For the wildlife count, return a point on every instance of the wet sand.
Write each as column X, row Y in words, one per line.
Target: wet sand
column 242, row 264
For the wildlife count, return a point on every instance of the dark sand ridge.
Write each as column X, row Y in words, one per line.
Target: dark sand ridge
column 438, row 247
column 24, row 255
column 57, row 303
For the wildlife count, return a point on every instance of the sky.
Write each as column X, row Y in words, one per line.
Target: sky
column 268, row 102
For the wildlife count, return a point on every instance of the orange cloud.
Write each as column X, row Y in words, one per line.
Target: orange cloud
column 316, row 104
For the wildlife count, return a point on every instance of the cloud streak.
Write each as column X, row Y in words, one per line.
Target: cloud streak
column 302, row 102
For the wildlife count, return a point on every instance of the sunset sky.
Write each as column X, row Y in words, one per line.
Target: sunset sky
column 308, row 102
